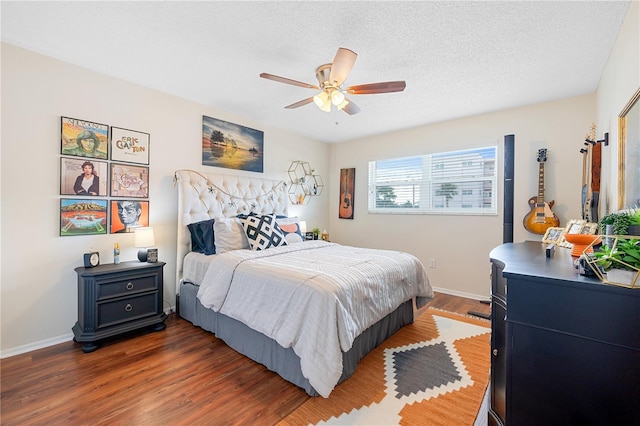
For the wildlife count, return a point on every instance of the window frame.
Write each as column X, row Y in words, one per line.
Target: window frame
column 460, row 171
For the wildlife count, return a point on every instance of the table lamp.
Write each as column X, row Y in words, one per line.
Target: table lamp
column 144, row 239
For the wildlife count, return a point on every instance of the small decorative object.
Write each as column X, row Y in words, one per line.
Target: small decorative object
column 116, row 253
column 618, row 264
column 91, row 259
column 582, row 243
column 231, row 145
column 304, row 182
column 144, row 238
column 83, row 217
column 129, row 146
column 152, row 255
column 324, row 236
column 83, row 138
column 316, row 233
column 308, row 236
column 129, row 181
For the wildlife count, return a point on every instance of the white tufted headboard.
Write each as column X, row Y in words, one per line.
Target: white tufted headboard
column 206, row 196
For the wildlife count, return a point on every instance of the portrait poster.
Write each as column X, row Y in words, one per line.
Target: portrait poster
column 127, row 215
column 129, row 181
column 347, row 184
column 73, row 180
column 129, row 146
column 83, row 217
column 84, row 138
column 231, row 146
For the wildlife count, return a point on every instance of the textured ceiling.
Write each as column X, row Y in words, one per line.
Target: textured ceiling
column 458, row 58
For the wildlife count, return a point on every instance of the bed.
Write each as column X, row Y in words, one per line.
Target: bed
column 307, row 310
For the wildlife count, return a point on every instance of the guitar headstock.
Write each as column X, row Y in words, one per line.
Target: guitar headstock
column 542, row 155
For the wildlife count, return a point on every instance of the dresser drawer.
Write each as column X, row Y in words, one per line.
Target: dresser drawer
column 107, row 290
column 127, row 309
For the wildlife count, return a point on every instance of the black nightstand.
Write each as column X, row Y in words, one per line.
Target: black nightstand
column 114, row 299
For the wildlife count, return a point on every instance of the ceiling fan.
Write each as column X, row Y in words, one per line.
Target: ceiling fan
column 330, row 78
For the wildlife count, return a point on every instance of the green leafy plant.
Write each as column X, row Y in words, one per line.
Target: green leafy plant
column 624, row 254
column 316, row 232
column 620, row 222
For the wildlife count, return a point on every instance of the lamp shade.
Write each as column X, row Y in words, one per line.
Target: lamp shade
column 144, row 237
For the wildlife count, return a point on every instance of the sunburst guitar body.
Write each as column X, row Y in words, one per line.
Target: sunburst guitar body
column 541, row 217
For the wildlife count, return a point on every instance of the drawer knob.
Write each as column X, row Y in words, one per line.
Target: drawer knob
column 128, row 308
column 495, row 352
column 129, row 286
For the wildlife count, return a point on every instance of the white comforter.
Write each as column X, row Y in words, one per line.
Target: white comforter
column 316, row 297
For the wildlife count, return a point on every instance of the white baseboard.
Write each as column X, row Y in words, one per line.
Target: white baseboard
column 461, row 294
column 37, row 345
column 50, row 342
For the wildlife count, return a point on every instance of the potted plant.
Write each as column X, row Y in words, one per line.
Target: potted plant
column 316, row 233
column 616, row 223
column 620, row 262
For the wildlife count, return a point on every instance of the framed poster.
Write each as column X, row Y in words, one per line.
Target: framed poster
column 129, row 146
column 347, row 183
column 127, row 215
column 83, row 177
column 129, row 181
column 83, row 217
column 84, row 138
column 231, row 146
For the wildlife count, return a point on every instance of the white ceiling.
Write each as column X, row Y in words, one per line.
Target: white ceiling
column 458, row 58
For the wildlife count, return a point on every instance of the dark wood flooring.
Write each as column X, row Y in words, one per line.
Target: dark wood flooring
column 182, row 375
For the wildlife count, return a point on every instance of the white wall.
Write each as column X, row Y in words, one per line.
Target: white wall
column 38, row 282
column 461, row 244
column 38, row 285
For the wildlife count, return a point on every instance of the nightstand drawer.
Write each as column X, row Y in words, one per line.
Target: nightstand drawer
column 123, row 310
column 127, row 286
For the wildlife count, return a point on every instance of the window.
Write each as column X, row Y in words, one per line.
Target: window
column 457, row 182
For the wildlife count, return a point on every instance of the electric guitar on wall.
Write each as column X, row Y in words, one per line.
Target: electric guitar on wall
column 346, row 204
column 540, row 217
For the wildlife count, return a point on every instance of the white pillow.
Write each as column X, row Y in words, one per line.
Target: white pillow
column 229, row 234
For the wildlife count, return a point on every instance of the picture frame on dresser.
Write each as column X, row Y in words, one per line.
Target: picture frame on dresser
column 553, row 235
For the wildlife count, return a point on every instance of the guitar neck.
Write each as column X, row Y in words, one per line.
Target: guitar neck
column 540, row 183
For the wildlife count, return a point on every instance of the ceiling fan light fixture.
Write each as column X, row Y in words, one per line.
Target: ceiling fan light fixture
column 337, row 97
column 320, row 99
column 343, row 104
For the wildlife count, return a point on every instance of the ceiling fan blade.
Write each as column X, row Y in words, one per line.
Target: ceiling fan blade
column 287, row 81
column 368, row 89
column 351, row 108
column 342, row 64
column 300, row 103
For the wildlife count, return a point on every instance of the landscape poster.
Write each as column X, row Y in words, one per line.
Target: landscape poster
column 231, row 145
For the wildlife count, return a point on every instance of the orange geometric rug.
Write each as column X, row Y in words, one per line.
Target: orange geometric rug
column 432, row 372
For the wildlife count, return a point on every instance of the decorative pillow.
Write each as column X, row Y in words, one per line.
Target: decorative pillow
column 263, row 232
column 202, row 240
column 291, row 229
column 229, row 235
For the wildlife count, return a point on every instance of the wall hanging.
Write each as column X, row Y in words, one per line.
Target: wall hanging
column 231, row 145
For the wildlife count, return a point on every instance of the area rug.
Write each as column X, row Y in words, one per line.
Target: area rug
column 432, row 372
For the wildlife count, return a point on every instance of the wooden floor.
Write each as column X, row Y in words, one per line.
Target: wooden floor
column 182, row 375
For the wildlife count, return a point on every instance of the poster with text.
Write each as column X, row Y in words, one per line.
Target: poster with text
column 83, row 217
column 84, row 138
column 129, row 146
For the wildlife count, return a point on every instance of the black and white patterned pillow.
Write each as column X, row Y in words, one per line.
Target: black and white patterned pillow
column 263, row 232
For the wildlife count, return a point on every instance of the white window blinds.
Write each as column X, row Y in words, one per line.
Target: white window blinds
column 458, row 182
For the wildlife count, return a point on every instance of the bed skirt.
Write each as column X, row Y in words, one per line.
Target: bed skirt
column 269, row 353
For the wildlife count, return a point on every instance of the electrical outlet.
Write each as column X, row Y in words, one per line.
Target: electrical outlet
column 432, row 263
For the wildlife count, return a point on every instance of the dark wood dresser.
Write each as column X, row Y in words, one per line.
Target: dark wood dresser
column 565, row 348
column 114, row 299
